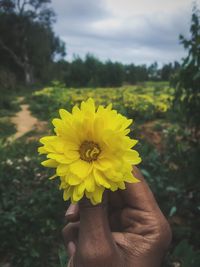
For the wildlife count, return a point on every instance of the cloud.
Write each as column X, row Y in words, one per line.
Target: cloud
column 78, row 10
column 123, row 30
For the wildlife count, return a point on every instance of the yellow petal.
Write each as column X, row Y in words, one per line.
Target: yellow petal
column 113, row 186
column 100, row 179
column 59, row 158
column 62, row 169
column 90, row 183
column 52, row 177
column 73, row 179
column 76, row 195
column 57, row 123
column 132, row 156
column 50, row 163
column 47, row 139
column 42, row 150
column 76, row 111
column 65, row 115
column 81, row 188
column 71, row 154
column 88, row 106
column 97, row 194
column 128, row 177
column 67, row 193
column 113, row 175
column 71, row 146
column 109, row 107
column 103, row 164
column 121, row 185
column 81, row 168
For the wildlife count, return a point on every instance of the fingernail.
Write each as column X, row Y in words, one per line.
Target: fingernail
column 71, row 248
column 136, row 172
column 70, row 210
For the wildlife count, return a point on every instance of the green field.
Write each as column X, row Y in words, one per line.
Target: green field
column 32, row 209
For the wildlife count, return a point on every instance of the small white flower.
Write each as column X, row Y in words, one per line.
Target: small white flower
column 9, row 162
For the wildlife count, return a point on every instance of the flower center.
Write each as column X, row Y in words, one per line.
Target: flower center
column 89, row 151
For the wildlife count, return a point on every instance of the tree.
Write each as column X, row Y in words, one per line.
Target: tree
column 153, row 72
column 187, row 94
column 114, row 73
column 27, row 40
column 166, row 72
column 130, row 72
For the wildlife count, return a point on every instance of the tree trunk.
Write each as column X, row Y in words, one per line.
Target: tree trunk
column 24, row 64
column 28, row 74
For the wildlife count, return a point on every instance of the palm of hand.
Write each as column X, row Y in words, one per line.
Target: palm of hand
column 141, row 233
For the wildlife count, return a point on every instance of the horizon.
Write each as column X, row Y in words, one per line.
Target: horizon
column 101, row 29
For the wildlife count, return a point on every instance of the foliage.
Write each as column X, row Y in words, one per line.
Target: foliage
column 187, row 95
column 7, row 79
column 144, row 102
column 31, row 208
column 63, row 257
column 8, row 104
column 173, row 179
column 91, row 72
column 184, row 255
column 23, row 24
column 175, row 183
column 6, row 128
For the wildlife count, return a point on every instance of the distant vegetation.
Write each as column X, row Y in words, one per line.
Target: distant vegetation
column 145, row 101
column 31, row 54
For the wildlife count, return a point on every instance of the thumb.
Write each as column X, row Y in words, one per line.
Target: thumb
column 96, row 246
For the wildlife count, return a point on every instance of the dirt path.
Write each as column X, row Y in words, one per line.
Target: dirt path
column 24, row 121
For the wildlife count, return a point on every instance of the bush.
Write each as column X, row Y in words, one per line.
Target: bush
column 7, row 128
column 7, row 79
column 145, row 102
column 31, row 209
column 173, row 175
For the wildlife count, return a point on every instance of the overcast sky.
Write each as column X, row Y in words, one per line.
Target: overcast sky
column 138, row 31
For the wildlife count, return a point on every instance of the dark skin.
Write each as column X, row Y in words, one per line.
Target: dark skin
column 127, row 230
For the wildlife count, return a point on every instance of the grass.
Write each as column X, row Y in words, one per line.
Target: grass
column 31, row 206
column 7, row 128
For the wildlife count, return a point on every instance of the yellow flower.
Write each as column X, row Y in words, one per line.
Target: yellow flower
column 90, row 151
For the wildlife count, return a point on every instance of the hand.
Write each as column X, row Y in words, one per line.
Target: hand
column 126, row 230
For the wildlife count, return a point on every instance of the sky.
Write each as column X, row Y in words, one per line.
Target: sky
column 128, row 31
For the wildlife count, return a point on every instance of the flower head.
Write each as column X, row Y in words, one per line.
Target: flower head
column 90, row 151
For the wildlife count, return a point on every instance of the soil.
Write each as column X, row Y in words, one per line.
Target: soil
column 26, row 122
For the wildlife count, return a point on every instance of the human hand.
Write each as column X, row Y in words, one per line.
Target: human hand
column 126, row 230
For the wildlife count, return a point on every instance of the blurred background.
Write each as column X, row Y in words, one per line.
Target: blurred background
column 144, row 57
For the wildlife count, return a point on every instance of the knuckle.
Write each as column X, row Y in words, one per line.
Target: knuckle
column 66, row 230
column 70, row 232
column 99, row 256
column 165, row 233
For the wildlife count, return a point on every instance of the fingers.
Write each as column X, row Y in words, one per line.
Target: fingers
column 70, row 232
column 96, row 246
column 72, row 213
column 139, row 195
column 70, row 237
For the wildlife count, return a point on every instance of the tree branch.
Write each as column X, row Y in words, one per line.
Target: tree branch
column 12, row 54
column 21, row 6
